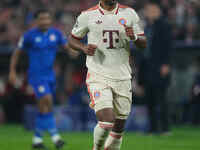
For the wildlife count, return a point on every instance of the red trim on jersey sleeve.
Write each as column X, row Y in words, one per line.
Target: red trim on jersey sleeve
column 75, row 37
column 141, row 34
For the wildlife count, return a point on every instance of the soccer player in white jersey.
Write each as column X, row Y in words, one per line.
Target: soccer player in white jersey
column 110, row 27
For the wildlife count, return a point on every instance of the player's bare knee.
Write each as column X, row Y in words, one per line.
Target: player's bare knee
column 49, row 104
column 106, row 115
column 42, row 109
column 45, row 104
column 119, row 125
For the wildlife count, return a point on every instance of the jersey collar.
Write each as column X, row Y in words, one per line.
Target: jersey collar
column 46, row 32
column 105, row 12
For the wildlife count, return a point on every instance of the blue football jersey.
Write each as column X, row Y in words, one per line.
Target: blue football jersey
column 41, row 48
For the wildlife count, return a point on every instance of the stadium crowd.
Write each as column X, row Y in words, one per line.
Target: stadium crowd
column 16, row 16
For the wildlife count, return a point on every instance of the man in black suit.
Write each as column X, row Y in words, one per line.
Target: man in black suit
column 155, row 69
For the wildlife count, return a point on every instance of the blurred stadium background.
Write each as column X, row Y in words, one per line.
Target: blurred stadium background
column 72, row 111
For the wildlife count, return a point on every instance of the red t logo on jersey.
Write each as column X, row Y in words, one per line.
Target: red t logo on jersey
column 111, row 38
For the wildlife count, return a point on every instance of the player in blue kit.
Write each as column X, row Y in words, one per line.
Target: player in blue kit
column 41, row 44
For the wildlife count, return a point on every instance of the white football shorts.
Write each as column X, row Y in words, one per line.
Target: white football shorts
column 109, row 93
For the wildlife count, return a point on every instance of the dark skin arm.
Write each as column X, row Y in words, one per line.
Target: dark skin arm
column 141, row 42
column 13, row 65
column 67, row 48
column 78, row 45
column 72, row 52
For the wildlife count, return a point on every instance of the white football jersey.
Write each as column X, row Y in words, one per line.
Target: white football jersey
column 106, row 30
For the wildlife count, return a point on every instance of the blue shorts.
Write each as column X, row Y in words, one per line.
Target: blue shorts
column 43, row 87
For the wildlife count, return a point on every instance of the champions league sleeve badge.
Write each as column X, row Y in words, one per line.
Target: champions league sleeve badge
column 122, row 21
column 97, row 94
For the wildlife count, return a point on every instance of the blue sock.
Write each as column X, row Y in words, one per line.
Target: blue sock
column 46, row 122
column 51, row 124
column 39, row 128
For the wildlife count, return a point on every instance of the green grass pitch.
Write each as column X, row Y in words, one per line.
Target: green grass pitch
column 14, row 137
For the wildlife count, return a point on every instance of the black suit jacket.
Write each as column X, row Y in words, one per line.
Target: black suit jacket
column 159, row 50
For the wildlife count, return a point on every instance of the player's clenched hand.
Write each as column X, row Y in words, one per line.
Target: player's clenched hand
column 12, row 77
column 90, row 49
column 130, row 32
column 164, row 70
